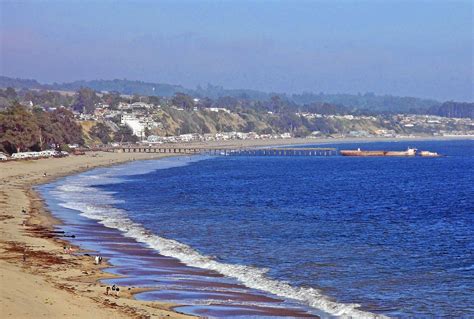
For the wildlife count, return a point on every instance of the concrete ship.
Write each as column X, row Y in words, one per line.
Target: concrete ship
column 429, row 154
column 359, row 152
column 408, row 152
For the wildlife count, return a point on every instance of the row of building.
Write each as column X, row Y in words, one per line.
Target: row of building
column 224, row 136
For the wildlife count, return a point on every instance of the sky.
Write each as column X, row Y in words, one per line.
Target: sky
column 408, row 48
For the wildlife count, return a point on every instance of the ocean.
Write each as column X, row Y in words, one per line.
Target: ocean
column 257, row 236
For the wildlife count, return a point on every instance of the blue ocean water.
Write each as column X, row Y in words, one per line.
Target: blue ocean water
column 393, row 235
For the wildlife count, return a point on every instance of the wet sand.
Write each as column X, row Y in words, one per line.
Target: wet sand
column 151, row 276
column 37, row 279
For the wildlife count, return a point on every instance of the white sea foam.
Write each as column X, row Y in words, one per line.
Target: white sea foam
column 78, row 194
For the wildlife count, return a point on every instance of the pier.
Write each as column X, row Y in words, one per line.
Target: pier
column 280, row 151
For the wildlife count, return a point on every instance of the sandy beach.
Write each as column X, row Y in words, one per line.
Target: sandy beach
column 38, row 279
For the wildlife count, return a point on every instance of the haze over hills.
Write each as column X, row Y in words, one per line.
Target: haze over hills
column 366, row 101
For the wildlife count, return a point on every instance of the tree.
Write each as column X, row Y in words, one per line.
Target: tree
column 4, row 102
column 155, row 100
column 48, row 131
column 147, row 132
column 125, row 134
column 453, row 109
column 227, row 102
column 183, row 101
column 135, row 98
column 206, row 102
column 22, row 130
column 18, row 129
column 10, row 93
column 85, row 100
column 112, row 99
column 102, row 132
column 67, row 130
column 276, row 104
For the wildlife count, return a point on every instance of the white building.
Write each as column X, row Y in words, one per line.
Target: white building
column 217, row 109
column 141, row 105
column 124, row 106
column 138, row 125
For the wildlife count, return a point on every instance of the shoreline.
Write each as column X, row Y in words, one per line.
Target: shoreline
column 311, row 141
column 139, row 263
column 37, row 277
column 52, row 283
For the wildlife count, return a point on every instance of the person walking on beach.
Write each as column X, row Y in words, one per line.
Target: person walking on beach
column 113, row 289
column 96, row 259
column 107, row 290
column 100, row 259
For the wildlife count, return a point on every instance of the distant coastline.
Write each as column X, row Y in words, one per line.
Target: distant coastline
column 315, row 141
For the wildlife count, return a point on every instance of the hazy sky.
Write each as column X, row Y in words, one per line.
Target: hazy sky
column 414, row 48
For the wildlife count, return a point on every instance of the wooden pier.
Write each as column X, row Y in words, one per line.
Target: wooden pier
column 280, row 151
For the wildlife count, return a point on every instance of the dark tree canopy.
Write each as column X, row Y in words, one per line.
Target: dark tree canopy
column 71, row 131
column 10, row 93
column 454, row 109
column 19, row 130
column 125, row 135
column 112, row 99
column 102, row 132
column 22, row 130
column 183, row 100
column 85, row 100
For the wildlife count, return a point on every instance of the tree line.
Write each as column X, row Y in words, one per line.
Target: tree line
column 22, row 129
column 52, row 124
column 106, row 135
column 453, row 109
column 369, row 101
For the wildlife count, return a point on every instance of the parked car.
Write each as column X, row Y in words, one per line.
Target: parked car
column 3, row 157
column 48, row 153
column 21, row 155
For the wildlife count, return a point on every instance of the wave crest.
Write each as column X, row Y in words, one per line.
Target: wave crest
column 86, row 199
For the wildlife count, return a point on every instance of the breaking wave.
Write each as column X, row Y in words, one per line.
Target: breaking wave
column 79, row 194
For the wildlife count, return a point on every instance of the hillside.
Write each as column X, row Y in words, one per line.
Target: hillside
column 367, row 101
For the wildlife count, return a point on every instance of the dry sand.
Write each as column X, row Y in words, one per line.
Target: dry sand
column 37, row 279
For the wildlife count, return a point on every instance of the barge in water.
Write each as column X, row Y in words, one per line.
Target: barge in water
column 359, row 152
